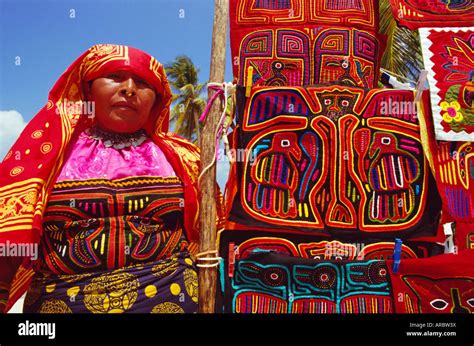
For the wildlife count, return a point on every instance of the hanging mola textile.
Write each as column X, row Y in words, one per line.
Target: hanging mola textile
column 273, row 274
column 453, row 166
column 416, row 14
column 440, row 284
column 268, row 282
column 362, row 14
column 332, row 161
column 264, row 281
column 320, row 42
column 448, row 54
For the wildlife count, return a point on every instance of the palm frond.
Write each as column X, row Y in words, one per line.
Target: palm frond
column 188, row 89
column 403, row 52
column 199, row 88
column 188, row 103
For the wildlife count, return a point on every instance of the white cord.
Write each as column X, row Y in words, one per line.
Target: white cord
column 226, row 87
column 397, row 75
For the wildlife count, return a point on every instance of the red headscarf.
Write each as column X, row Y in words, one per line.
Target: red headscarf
column 30, row 168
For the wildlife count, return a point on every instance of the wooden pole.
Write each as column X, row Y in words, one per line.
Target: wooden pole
column 207, row 214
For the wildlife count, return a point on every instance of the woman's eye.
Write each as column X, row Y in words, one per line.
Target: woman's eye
column 113, row 76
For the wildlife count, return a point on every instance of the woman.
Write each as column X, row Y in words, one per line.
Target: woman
column 106, row 192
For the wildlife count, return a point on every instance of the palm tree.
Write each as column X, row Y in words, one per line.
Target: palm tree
column 188, row 103
column 403, row 53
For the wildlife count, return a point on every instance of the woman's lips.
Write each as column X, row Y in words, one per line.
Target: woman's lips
column 124, row 105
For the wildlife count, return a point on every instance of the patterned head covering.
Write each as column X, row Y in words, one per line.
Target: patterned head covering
column 29, row 170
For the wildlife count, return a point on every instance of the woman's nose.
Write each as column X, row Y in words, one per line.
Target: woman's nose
column 128, row 87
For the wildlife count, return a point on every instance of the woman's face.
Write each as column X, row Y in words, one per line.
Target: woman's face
column 123, row 101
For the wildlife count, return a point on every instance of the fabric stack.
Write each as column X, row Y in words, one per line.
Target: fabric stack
column 333, row 207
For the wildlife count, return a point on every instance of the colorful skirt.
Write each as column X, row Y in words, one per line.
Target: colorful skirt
column 165, row 286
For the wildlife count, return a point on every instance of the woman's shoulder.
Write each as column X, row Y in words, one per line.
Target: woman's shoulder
column 184, row 147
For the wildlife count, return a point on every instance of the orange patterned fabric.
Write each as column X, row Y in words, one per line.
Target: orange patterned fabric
column 30, row 168
column 440, row 284
column 263, row 13
column 305, row 42
column 416, row 14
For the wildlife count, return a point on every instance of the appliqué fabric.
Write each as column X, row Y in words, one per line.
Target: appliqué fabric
column 333, row 160
column 416, row 14
column 448, row 55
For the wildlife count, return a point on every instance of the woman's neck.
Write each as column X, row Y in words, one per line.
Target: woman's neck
column 115, row 139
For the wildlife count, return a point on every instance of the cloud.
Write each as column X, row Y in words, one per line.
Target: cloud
column 12, row 123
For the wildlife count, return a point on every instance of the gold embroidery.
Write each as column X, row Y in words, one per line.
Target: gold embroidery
column 73, row 292
column 37, row 134
column 101, row 54
column 167, row 308
column 150, row 291
column 17, row 203
column 46, row 147
column 155, row 68
column 16, row 170
column 54, row 306
column 167, row 268
column 191, row 283
column 72, row 278
column 111, row 293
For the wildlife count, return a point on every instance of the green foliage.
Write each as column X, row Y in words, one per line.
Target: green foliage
column 403, row 52
column 188, row 103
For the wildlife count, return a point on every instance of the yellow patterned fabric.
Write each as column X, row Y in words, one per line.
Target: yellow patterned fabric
column 165, row 286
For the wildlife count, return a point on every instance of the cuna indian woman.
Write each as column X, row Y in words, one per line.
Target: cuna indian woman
column 104, row 192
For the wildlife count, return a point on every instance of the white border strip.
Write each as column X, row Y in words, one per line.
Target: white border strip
column 434, row 91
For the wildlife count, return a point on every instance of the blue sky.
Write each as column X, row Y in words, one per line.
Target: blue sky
column 47, row 40
column 44, row 38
